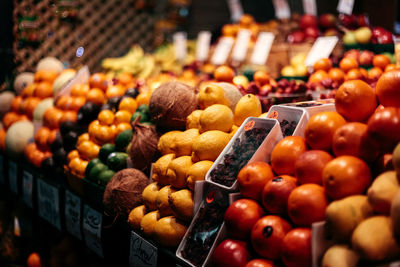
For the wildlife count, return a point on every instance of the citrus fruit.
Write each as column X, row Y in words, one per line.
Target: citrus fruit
column 309, row 166
column 177, row 171
column 122, row 116
column 209, row 145
column 224, row 74
column 106, row 150
column 96, row 96
column 43, row 90
column 143, row 98
column 276, row 192
column 285, row 154
column 390, row 67
column 260, row 263
column 318, row 76
column 193, row 120
column 348, row 63
column 296, row 247
column 353, row 74
column 116, row 161
column 105, row 176
column 388, row 89
column 128, row 104
column 380, row 61
column 115, row 91
column 148, row 222
column 79, row 90
column 160, row 168
column 135, row 216
column 248, row 106
column 184, row 142
column 181, row 203
column 197, row 172
column 123, row 139
column 106, row 117
column 95, row 171
column 144, row 117
column 216, row 117
column 374, row 73
column 168, row 231
column 162, row 200
column 210, row 95
column 90, row 165
column 322, row 64
column 98, row 80
column 34, row 260
column 261, row 77
column 149, row 195
column 336, row 74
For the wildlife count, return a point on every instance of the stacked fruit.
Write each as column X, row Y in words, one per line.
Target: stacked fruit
column 297, row 67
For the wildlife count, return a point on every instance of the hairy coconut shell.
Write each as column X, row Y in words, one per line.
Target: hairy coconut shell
column 171, row 103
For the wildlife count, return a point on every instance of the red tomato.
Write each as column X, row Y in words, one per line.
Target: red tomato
column 231, row 253
column 296, row 248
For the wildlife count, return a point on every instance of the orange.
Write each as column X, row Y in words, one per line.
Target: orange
column 106, row 117
column 29, row 105
column 323, row 64
column 229, row 30
column 246, row 20
column 143, row 98
column 285, row 154
column 79, row 90
column 52, row 137
column 115, row 91
column 92, row 129
column 388, row 88
column 309, row 166
column 76, row 103
column 33, row 260
column 96, row 96
column 45, row 76
column 364, row 73
column 29, row 90
column 336, row 74
column 44, row 90
column 3, row 135
column 380, row 61
column 390, row 67
column 353, row 74
column 346, row 176
column 122, row 116
column 51, row 117
column 261, row 77
column 348, row 63
column 307, row 204
column 16, row 103
column 355, row 100
column 320, row 129
column 347, row 139
column 41, row 137
column 224, row 74
column 63, row 102
column 72, row 154
column 83, row 137
column 126, row 79
column 318, row 76
column 98, row 80
column 10, row 118
column 88, row 150
column 374, row 73
column 128, row 104
column 122, row 127
column 68, row 115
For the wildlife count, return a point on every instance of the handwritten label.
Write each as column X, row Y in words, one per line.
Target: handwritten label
column 345, row 6
column 242, row 43
column 142, row 253
column 222, row 50
column 13, row 176
column 92, row 221
column 322, row 48
column 203, row 45
column 262, row 48
column 282, row 10
column 49, row 203
column 27, row 186
column 310, row 7
column 180, row 45
column 2, row 179
column 236, row 9
column 73, row 206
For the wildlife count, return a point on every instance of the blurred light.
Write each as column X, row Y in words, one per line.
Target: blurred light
column 17, row 228
column 80, row 51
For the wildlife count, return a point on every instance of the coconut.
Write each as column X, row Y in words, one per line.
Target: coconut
column 124, row 192
column 171, row 103
column 23, row 80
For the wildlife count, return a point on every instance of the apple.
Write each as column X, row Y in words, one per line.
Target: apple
column 363, row 35
column 231, row 252
column 311, row 32
column 377, row 32
column 267, row 236
column 362, row 20
column 241, row 216
column 327, row 20
column 354, row 53
column 385, row 38
column 296, row 248
column 349, row 38
column 296, row 37
column 276, row 193
column 365, row 57
column 308, row 20
column 348, row 21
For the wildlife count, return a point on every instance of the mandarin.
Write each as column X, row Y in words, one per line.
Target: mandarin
column 388, row 88
column 96, row 95
column 323, row 64
column 285, row 154
column 348, row 63
column 224, row 74
column 380, row 61
column 309, row 166
column 336, row 74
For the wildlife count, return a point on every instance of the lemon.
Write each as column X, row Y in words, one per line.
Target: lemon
column 216, row 117
column 241, row 80
column 160, row 168
column 233, row 130
column 148, row 221
column 218, row 93
column 298, row 59
column 182, row 204
column 162, row 200
column 248, row 106
column 197, row 172
column 166, row 141
column 193, row 120
column 149, row 195
column 177, row 169
column 183, row 141
column 264, row 115
column 168, row 231
column 209, row 145
column 135, row 216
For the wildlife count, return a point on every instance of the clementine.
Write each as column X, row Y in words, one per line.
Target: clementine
column 68, row 115
column 76, row 103
column 79, row 90
column 380, row 61
column 10, row 118
column 63, row 102
column 336, row 74
column 44, row 90
column 106, row 117
column 96, row 96
column 309, row 166
column 374, row 73
column 390, row 67
column 115, row 91
column 129, row 104
column 285, row 154
column 41, row 137
column 143, row 98
column 34, row 260
column 318, row 76
column 261, row 77
column 45, row 76
column 388, row 88
column 353, row 74
column 323, row 64
column 348, row 63
column 16, row 103
column 224, row 74
column 98, row 80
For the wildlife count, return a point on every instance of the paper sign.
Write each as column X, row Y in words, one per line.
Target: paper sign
column 236, row 9
column 345, row 6
column 322, row 48
column 27, row 186
column 92, row 221
column 180, row 45
column 49, row 203
column 203, row 45
column 222, row 50
column 2, row 179
column 282, row 10
column 73, row 206
column 310, row 7
column 142, row 253
column 241, row 45
column 262, row 48
column 13, row 176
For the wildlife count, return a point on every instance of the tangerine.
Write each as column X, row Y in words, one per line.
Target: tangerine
column 374, row 73
column 34, row 260
column 323, row 64
column 29, row 90
column 68, row 115
column 115, row 91
column 224, row 74
column 98, row 80
column 10, row 118
column 380, row 61
column 390, row 67
column 16, row 103
column 122, row 116
column 44, row 90
column 143, row 98
column 122, row 127
column 29, row 105
column 51, row 117
column 336, row 74
column 63, row 102
column 261, row 77
column 309, row 166
column 126, row 79
column 106, row 117
column 76, row 103
column 96, row 96
column 128, row 104
column 41, row 137
column 79, row 90
column 45, row 76
column 348, row 63
column 318, row 76
column 285, row 154
column 353, row 74
column 388, row 88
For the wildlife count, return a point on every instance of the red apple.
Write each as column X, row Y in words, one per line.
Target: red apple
column 267, row 236
column 385, row 38
column 311, row 32
column 241, row 216
column 327, row 21
column 377, row 32
column 348, row 21
column 296, row 248
column 308, row 21
column 353, row 53
column 276, row 193
column 362, row 20
column 260, row 263
column 231, row 252
column 366, row 57
column 296, row 37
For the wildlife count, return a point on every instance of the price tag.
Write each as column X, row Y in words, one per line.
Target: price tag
column 322, row 48
column 27, row 186
column 222, row 50
column 310, row 7
column 282, row 10
column 242, row 43
column 345, row 6
column 73, row 206
column 262, row 48
column 49, row 203
column 13, row 176
column 203, row 45
column 92, row 221
column 2, row 179
column 180, row 45
column 236, row 9
column 142, row 253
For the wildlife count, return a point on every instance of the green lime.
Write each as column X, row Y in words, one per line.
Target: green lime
column 105, row 176
column 91, row 164
column 95, row 171
column 117, row 161
column 123, row 140
column 106, row 150
column 143, row 116
column 143, row 108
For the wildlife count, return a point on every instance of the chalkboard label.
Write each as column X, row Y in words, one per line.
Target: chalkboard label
column 49, row 203
column 73, row 205
column 142, row 253
column 27, row 186
column 92, row 221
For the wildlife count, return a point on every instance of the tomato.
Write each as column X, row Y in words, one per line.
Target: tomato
column 384, row 126
column 241, row 216
column 232, row 253
column 296, row 248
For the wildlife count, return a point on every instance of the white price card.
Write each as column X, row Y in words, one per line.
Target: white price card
column 142, row 253
column 322, row 48
column 262, row 48
column 2, row 179
column 27, row 186
column 242, row 43
column 92, row 222
column 73, row 207
column 310, row 7
column 49, row 203
column 13, row 176
column 222, row 50
column 282, row 9
column 180, row 48
column 203, row 45
column 236, row 9
column 345, row 6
